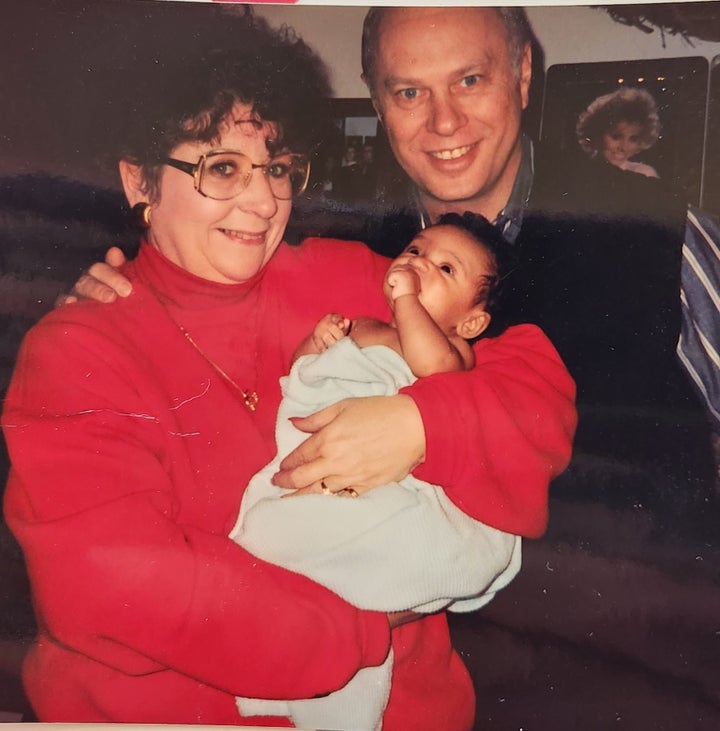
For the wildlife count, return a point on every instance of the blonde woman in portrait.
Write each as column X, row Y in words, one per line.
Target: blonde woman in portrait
column 618, row 126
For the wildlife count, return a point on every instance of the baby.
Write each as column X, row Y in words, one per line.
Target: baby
column 442, row 290
column 406, row 545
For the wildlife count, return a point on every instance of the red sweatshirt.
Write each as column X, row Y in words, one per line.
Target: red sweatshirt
column 130, row 454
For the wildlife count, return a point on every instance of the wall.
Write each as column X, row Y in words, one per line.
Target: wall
column 568, row 35
column 335, row 33
column 596, row 37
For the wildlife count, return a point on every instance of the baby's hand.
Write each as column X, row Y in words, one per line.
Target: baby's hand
column 403, row 279
column 329, row 330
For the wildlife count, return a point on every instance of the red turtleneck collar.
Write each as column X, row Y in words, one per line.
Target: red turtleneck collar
column 182, row 289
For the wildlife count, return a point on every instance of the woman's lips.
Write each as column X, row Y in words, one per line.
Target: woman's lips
column 244, row 237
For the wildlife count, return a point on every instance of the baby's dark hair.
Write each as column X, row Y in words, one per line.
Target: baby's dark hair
column 491, row 290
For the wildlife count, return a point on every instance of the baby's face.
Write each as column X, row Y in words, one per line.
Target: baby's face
column 447, row 266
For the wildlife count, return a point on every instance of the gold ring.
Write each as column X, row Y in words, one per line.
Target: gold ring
column 347, row 492
column 325, row 489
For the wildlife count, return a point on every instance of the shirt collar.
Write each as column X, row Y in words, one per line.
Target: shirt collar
column 509, row 220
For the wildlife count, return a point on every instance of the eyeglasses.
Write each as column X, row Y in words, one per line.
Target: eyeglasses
column 222, row 174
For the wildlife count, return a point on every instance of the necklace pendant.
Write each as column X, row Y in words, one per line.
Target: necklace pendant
column 250, row 399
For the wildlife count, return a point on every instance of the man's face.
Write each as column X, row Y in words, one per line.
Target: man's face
column 451, row 101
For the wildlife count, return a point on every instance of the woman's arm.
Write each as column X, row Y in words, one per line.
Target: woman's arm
column 497, row 435
column 493, row 437
column 360, row 443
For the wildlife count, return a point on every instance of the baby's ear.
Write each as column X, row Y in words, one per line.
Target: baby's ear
column 474, row 324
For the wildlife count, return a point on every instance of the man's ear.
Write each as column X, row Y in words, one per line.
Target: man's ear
column 474, row 324
column 378, row 112
column 373, row 99
column 133, row 183
column 525, row 74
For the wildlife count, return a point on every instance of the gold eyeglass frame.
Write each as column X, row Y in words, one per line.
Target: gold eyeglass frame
column 196, row 170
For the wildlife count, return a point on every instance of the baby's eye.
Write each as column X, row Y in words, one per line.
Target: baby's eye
column 412, row 250
column 447, row 268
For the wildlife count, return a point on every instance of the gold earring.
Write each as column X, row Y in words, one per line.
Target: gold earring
column 141, row 214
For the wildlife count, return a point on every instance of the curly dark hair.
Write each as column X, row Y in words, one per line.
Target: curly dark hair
column 491, row 291
column 514, row 20
column 187, row 99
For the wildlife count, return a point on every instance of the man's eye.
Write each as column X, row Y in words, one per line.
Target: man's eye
column 409, row 94
column 471, row 80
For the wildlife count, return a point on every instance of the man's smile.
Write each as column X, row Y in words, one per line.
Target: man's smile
column 452, row 154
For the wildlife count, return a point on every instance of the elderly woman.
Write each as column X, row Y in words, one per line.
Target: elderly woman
column 134, row 426
column 618, row 126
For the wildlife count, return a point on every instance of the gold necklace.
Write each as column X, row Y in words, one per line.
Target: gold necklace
column 249, row 398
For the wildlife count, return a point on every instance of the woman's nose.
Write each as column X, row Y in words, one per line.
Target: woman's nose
column 258, row 197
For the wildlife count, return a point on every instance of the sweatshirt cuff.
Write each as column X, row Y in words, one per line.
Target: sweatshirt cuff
column 374, row 637
column 440, row 425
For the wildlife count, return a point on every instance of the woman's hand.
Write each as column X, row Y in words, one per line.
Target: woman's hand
column 360, row 443
column 102, row 281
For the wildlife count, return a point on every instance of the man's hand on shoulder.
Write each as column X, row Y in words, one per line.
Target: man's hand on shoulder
column 102, row 281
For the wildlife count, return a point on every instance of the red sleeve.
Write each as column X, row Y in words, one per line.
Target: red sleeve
column 498, row 434
column 117, row 572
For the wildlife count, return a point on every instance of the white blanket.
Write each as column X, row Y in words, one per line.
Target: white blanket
column 401, row 546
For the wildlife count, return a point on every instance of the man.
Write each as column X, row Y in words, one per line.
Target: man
column 598, row 248
column 449, row 85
